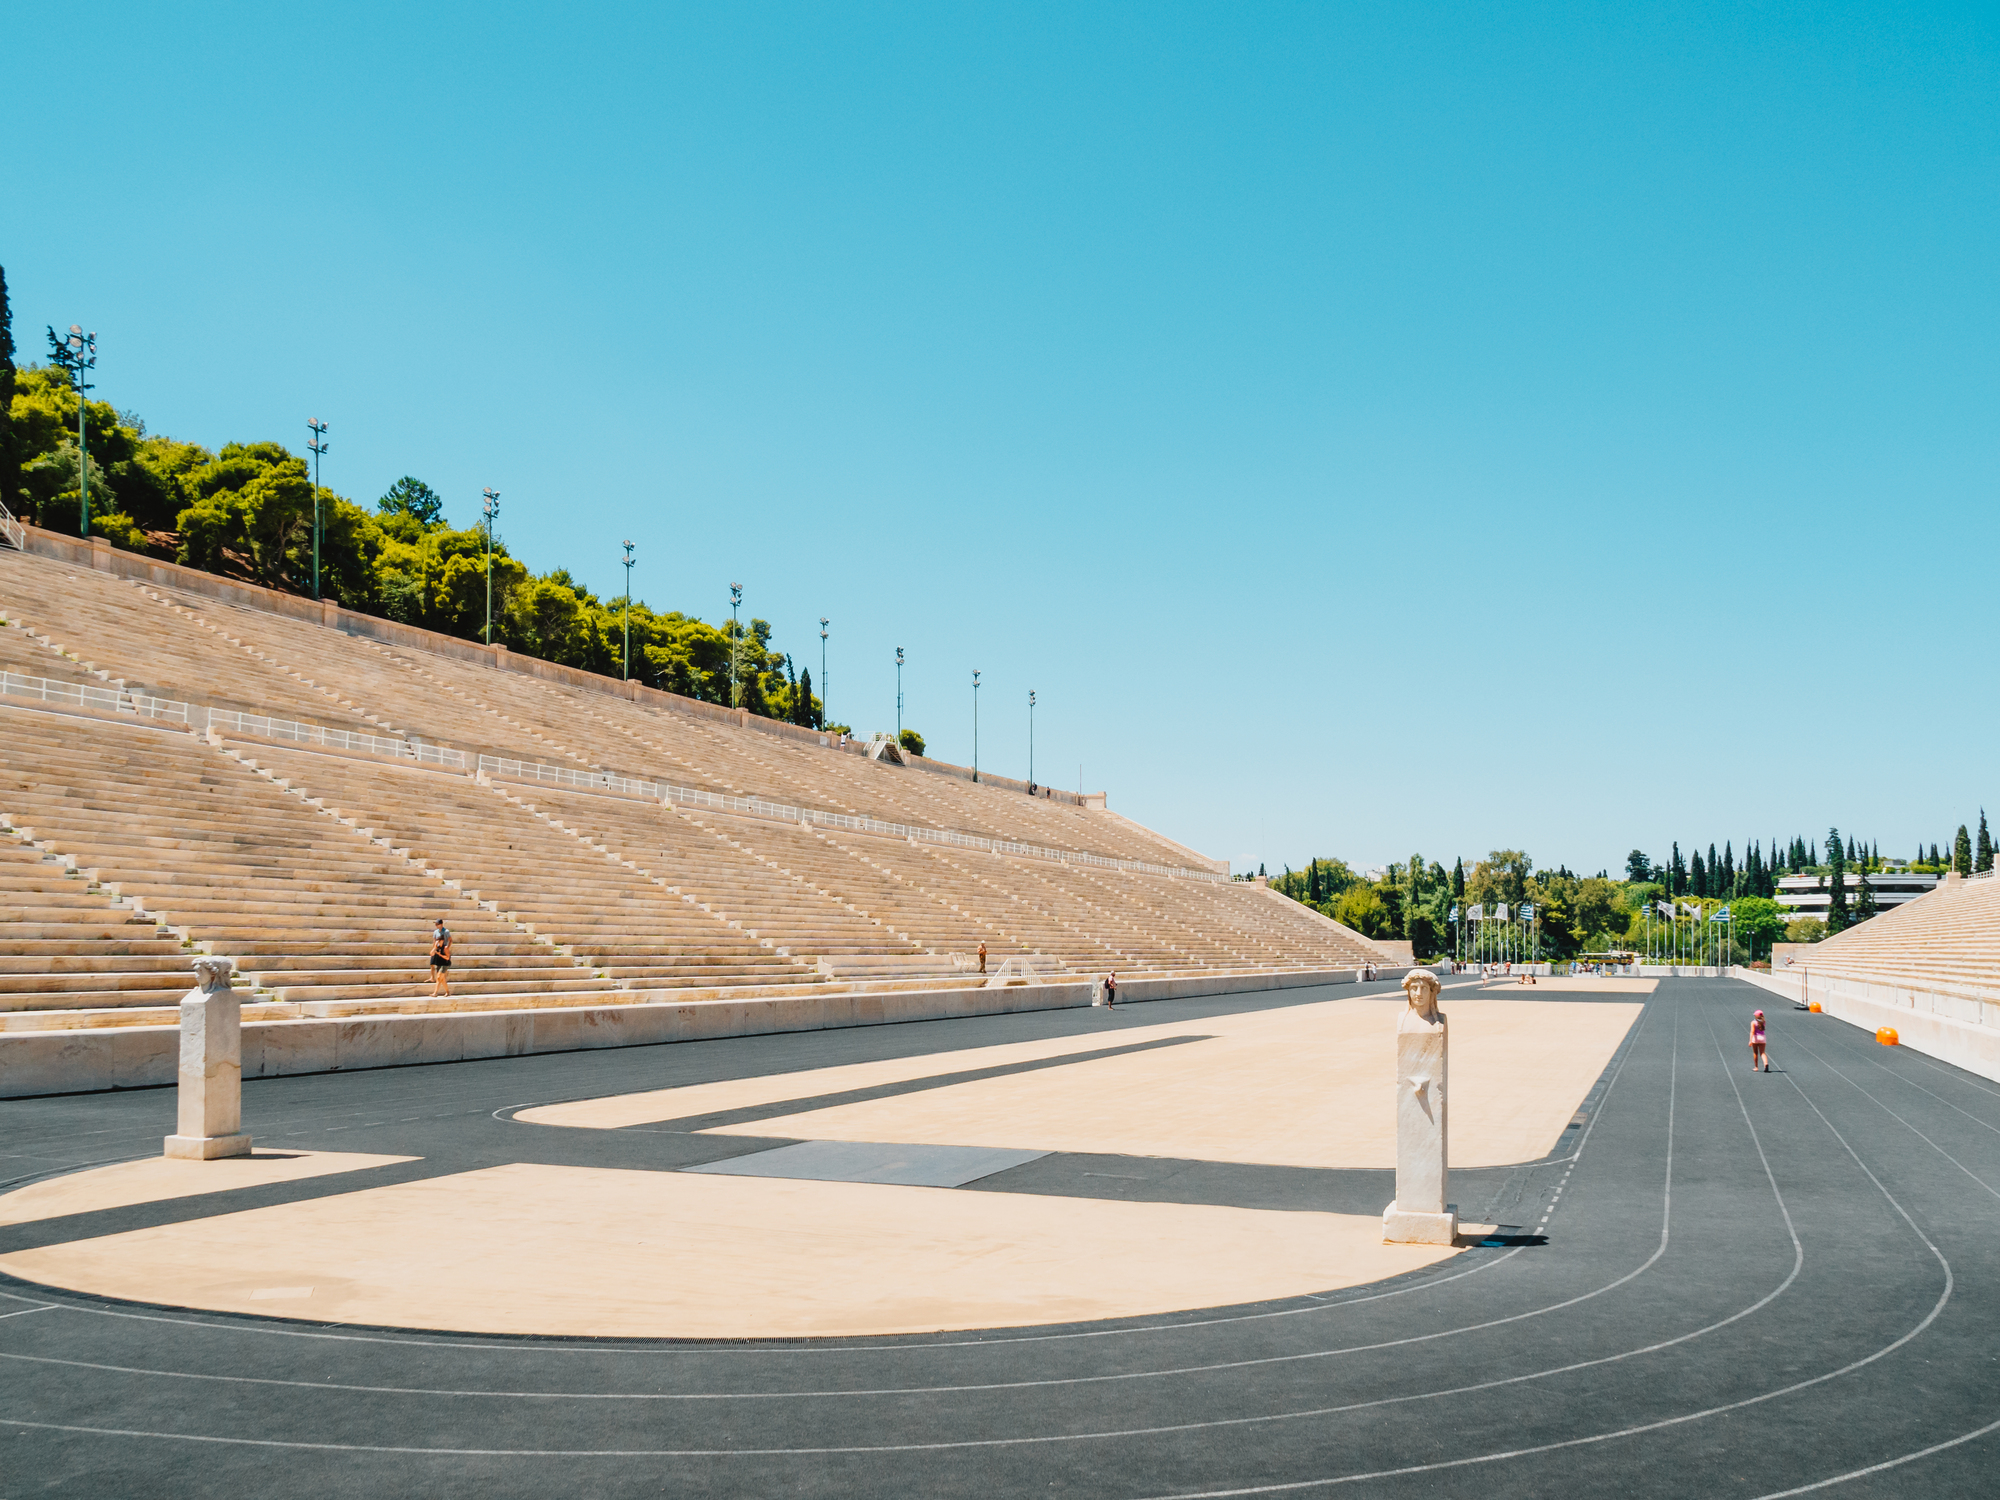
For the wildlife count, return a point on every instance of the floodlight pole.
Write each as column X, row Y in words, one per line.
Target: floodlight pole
column 628, row 610
column 489, row 508
column 975, row 724
column 735, row 638
column 76, row 354
column 822, row 672
column 1031, row 742
column 899, row 696
column 317, row 447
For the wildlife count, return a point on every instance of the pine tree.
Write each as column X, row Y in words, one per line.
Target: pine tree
column 1836, row 911
column 1961, row 852
column 10, row 457
column 1982, row 857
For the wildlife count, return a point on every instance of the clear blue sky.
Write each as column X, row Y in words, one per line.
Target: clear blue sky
column 1288, row 394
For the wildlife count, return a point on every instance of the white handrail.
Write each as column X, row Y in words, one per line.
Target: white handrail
column 11, row 530
column 107, row 699
column 117, row 700
column 758, row 807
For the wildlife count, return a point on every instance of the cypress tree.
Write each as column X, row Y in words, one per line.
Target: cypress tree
column 1458, row 880
column 1982, row 857
column 1961, row 852
column 1715, row 874
column 1728, row 869
column 1864, row 904
column 10, row 457
column 1312, row 883
column 1836, row 911
column 1698, row 875
column 1676, row 872
column 802, row 701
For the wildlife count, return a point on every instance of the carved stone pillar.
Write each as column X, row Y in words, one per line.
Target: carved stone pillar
column 211, row 1079
column 1420, row 1214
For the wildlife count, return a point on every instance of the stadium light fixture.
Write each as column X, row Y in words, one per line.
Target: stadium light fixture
column 975, row 724
column 899, row 697
column 822, row 672
column 628, row 610
column 490, row 509
column 76, row 355
column 317, row 447
column 735, row 639
column 1031, row 742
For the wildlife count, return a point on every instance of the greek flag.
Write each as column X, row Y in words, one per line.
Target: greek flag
column 1454, row 916
column 1527, row 911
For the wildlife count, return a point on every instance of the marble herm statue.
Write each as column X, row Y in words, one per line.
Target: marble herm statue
column 211, row 1080
column 1420, row 1214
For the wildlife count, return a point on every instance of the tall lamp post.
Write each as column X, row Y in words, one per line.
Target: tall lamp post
column 822, row 672
column 76, row 354
column 899, row 696
column 316, row 447
column 628, row 611
column 489, row 508
column 975, row 724
column 1031, row 742
column 735, row 638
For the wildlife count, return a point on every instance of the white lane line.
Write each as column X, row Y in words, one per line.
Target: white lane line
column 1889, row 1463
column 22, row 1312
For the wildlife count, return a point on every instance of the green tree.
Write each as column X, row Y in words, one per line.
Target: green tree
column 1864, row 900
column 10, row 460
column 411, row 497
column 1961, row 852
column 1982, row 859
column 1637, row 866
column 1458, row 879
column 1759, row 923
column 913, row 742
column 1361, row 908
column 1836, row 911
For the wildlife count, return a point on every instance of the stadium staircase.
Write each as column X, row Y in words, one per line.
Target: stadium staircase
column 182, row 774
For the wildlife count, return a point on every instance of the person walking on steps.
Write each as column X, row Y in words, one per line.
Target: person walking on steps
column 441, row 959
column 1110, row 990
column 1759, row 1058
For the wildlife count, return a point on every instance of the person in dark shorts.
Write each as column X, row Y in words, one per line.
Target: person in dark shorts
column 1110, row 989
column 441, row 959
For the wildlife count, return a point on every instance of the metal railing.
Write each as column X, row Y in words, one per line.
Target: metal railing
column 11, row 530
column 105, row 699
column 117, row 700
column 812, row 817
column 339, row 739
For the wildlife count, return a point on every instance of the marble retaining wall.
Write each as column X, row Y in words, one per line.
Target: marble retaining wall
column 65, row 1062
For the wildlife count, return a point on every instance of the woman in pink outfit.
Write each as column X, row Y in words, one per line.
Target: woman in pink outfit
column 1758, row 1059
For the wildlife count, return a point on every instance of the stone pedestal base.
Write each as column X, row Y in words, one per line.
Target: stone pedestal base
column 207, row 1147
column 1402, row 1228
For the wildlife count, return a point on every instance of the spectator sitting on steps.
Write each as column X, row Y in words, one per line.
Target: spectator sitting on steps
column 982, row 958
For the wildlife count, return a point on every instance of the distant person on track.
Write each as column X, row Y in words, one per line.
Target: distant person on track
column 441, row 959
column 1759, row 1057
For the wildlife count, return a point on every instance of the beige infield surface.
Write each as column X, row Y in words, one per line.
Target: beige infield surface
column 1302, row 1086
column 157, row 1179
column 593, row 1252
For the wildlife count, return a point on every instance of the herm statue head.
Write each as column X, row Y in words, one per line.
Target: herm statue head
column 212, row 974
column 1420, row 986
